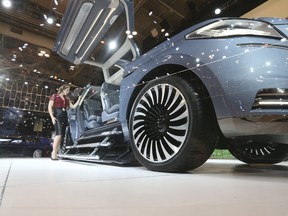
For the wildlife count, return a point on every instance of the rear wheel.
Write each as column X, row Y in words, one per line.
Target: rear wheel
column 37, row 153
column 171, row 129
column 253, row 152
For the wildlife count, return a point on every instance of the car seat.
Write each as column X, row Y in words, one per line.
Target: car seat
column 92, row 114
column 110, row 101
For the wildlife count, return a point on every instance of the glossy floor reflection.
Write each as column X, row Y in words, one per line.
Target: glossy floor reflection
column 220, row 187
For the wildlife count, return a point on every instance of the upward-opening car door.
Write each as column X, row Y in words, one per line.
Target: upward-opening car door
column 99, row 33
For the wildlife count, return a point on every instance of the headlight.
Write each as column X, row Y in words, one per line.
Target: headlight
column 234, row 27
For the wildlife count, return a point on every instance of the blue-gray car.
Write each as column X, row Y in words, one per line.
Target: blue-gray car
column 220, row 84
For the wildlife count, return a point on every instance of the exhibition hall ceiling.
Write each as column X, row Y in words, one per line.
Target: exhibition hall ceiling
column 27, row 36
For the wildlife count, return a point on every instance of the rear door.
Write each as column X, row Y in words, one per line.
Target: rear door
column 98, row 33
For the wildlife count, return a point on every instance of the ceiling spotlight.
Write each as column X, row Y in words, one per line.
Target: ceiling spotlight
column 217, row 11
column 6, row 3
column 43, row 52
column 50, row 20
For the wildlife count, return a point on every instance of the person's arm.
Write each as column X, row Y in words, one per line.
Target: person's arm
column 73, row 106
column 50, row 110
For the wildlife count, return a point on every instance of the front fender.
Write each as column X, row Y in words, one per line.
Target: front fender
column 135, row 80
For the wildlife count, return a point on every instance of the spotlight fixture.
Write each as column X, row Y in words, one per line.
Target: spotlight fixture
column 7, row 3
column 217, row 11
column 43, row 52
column 50, row 20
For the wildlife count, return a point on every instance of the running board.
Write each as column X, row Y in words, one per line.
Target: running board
column 90, row 145
column 108, row 133
column 87, row 158
column 100, row 131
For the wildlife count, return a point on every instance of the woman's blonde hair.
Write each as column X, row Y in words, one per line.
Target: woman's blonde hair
column 62, row 88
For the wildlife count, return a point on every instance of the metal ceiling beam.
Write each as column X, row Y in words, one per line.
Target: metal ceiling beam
column 171, row 9
column 28, row 36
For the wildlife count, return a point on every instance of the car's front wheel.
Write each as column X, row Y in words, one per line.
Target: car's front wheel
column 171, row 128
column 253, row 152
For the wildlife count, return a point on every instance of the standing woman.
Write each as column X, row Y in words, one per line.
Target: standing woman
column 57, row 108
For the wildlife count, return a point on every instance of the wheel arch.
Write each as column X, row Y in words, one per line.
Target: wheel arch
column 171, row 70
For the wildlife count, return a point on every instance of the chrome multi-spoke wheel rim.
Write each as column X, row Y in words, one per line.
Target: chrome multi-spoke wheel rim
column 160, row 123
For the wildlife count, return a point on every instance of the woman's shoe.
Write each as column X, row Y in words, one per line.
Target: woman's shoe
column 54, row 158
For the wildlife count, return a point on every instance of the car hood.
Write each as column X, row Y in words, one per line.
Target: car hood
column 275, row 20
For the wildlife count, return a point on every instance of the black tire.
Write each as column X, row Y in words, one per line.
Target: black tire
column 171, row 128
column 253, row 152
